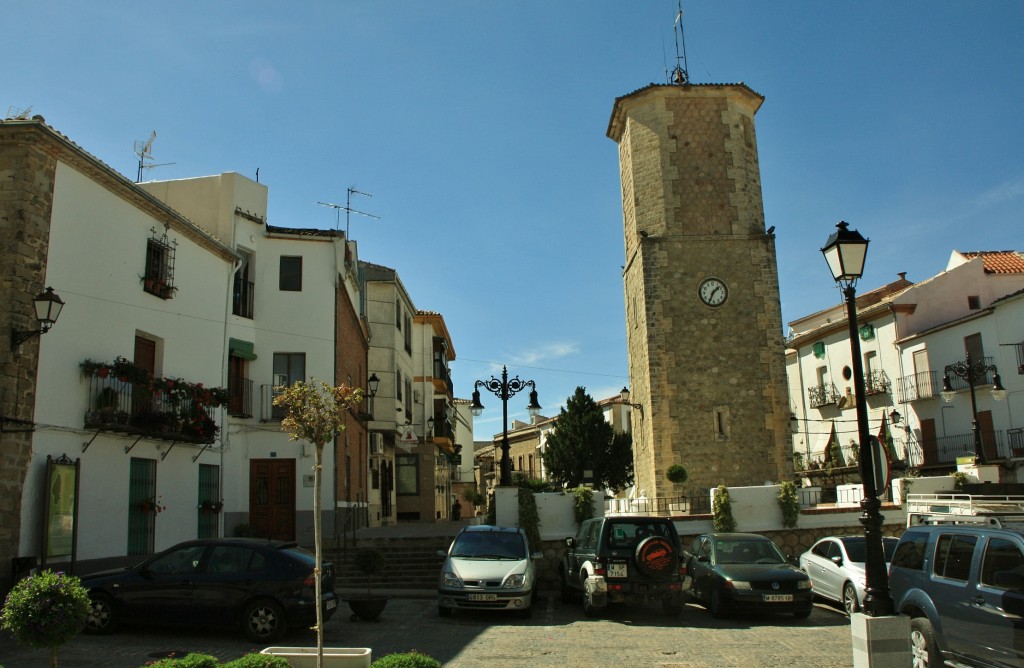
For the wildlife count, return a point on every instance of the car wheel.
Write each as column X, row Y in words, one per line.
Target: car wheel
column 102, row 617
column 589, row 609
column 923, row 648
column 263, row 621
column 850, row 599
column 443, row 611
column 718, row 606
column 803, row 613
column 672, row 607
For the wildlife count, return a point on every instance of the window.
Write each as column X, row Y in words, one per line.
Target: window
column 974, row 302
column 819, row 350
column 290, row 277
column 288, row 368
column 953, row 556
column 243, row 290
column 158, row 278
column 408, row 334
column 398, row 384
column 1003, row 565
column 398, row 314
column 910, row 552
column 407, row 475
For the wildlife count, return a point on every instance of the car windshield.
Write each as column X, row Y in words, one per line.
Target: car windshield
column 855, row 548
column 747, row 551
column 489, row 545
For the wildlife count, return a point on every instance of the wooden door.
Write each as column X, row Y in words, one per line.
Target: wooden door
column 929, row 444
column 988, row 435
column 272, row 498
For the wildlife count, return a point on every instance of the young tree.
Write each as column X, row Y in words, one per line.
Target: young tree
column 317, row 412
column 583, row 439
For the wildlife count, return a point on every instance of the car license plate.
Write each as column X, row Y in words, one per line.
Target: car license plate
column 778, row 598
column 332, row 604
column 617, row 570
column 483, row 597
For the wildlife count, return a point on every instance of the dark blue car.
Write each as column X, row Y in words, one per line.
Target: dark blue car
column 263, row 586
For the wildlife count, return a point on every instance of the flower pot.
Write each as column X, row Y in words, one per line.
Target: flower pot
column 305, row 657
column 367, row 607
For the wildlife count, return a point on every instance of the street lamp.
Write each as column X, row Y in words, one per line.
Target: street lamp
column 48, row 306
column 624, row 399
column 504, row 389
column 845, row 252
column 972, row 372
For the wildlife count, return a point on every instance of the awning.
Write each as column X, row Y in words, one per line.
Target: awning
column 243, row 349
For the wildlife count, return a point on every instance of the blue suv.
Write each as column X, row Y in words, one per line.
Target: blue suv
column 961, row 580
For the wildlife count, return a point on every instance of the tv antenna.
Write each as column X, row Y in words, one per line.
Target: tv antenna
column 15, row 114
column 144, row 149
column 347, row 208
column 680, row 74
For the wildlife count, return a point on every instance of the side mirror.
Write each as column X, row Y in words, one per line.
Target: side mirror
column 442, row 553
column 570, row 542
column 837, row 560
column 537, row 555
column 704, row 558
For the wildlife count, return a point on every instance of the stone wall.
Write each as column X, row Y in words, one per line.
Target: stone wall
column 27, row 173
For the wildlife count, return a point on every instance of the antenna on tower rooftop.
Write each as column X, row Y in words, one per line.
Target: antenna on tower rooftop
column 347, row 208
column 680, row 74
column 144, row 149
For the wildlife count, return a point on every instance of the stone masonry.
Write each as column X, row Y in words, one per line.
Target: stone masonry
column 27, row 172
column 712, row 380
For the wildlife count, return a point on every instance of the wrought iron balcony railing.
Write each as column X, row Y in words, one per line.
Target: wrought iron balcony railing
column 877, row 383
column 138, row 408
column 243, row 296
column 240, row 398
column 823, row 395
column 921, row 385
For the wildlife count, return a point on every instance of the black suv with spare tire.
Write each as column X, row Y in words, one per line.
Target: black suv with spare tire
column 624, row 559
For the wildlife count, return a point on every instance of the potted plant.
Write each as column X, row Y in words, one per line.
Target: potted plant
column 46, row 611
column 368, row 606
column 152, row 506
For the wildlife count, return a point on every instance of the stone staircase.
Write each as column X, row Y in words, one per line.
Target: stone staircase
column 412, row 564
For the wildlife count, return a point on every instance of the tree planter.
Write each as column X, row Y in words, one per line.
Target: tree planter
column 367, row 607
column 305, row 657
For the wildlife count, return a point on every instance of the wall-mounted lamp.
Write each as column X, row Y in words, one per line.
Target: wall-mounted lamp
column 372, row 383
column 624, row 399
column 48, row 306
column 895, row 416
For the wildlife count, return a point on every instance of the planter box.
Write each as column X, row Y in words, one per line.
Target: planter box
column 305, row 657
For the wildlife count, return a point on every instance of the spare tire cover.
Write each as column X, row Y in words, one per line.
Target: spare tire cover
column 656, row 557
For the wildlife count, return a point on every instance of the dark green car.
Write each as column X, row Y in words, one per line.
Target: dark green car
column 735, row 572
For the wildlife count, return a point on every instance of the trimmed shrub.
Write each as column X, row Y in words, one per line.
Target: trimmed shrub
column 721, row 511
column 191, row 660
column 677, row 474
column 259, row 661
column 46, row 610
column 406, row 660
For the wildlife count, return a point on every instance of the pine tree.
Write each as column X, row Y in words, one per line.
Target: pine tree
column 582, row 439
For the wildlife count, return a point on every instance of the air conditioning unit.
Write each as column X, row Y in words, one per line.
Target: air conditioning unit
column 416, row 396
column 376, row 444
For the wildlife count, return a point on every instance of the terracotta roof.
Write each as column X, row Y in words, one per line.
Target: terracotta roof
column 998, row 262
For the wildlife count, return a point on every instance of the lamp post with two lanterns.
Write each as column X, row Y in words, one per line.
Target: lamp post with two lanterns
column 973, row 372
column 845, row 252
column 505, row 388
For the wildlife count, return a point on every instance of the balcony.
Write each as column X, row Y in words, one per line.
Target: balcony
column 268, row 411
column 877, row 383
column 165, row 409
column 823, row 395
column 240, row 398
column 956, row 383
column 921, row 385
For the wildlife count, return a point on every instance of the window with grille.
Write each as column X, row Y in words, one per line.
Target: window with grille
column 290, row 278
column 158, row 278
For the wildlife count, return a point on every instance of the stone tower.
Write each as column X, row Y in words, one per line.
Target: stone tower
column 703, row 320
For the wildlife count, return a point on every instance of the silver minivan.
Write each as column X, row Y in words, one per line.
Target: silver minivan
column 487, row 568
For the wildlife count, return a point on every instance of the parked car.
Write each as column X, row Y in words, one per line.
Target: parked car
column 963, row 587
column 487, row 568
column 263, row 586
column 835, row 565
column 624, row 559
column 745, row 571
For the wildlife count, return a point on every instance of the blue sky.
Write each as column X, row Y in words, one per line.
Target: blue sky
column 479, row 129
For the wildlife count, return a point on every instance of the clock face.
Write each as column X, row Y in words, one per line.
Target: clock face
column 713, row 292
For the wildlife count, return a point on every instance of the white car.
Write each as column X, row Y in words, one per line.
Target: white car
column 835, row 565
column 487, row 568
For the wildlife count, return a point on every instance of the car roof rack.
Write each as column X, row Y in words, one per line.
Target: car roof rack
column 951, row 508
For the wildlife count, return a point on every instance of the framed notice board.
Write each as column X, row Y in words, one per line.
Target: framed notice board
column 60, row 509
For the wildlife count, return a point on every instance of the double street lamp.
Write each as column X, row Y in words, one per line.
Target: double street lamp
column 505, row 388
column 973, row 372
column 845, row 252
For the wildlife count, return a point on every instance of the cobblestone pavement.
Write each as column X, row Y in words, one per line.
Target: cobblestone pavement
column 556, row 635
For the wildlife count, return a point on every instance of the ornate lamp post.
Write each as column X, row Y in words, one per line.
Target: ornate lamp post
column 972, row 372
column 845, row 253
column 504, row 389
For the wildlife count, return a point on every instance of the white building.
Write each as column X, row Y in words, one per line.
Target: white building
column 909, row 334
